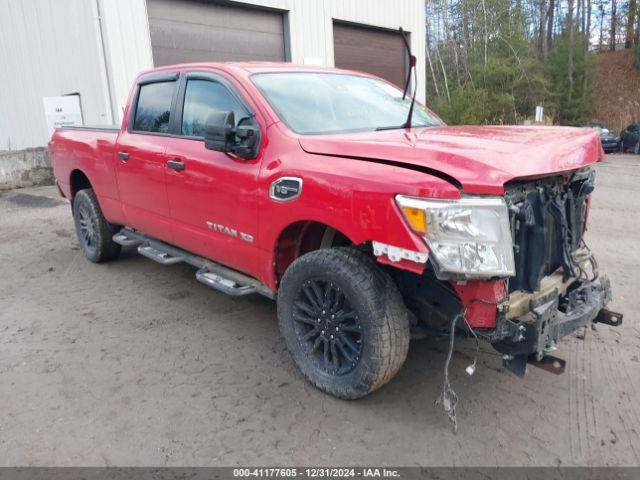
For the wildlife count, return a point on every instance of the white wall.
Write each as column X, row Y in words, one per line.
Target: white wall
column 311, row 26
column 310, row 32
column 125, row 29
column 96, row 47
column 46, row 50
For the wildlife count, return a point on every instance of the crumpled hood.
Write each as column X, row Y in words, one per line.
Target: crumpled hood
column 480, row 159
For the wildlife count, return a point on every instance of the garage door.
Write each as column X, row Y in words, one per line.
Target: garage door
column 198, row 31
column 370, row 50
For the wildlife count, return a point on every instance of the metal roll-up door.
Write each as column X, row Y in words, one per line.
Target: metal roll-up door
column 370, row 50
column 185, row 31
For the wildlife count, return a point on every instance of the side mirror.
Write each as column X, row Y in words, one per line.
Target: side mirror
column 221, row 135
column 219, row 132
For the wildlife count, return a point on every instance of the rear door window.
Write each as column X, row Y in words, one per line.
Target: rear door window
column 203, row 97
column 153, row 108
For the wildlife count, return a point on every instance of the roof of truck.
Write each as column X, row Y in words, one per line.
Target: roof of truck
column 252, row 67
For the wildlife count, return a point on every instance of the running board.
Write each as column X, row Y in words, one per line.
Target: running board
column 210, row 273
column 222, row 284
column 124, row 240
column 159, row 256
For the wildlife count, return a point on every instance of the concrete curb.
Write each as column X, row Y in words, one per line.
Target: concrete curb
column 25, row 168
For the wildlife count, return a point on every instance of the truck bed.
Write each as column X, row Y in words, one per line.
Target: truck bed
column 90, row 150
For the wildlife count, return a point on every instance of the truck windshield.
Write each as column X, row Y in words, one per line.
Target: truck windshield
column 317, row 103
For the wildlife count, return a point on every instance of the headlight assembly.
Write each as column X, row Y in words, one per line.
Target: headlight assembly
column 468, row 237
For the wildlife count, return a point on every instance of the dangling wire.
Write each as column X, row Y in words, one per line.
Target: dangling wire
column 472, row 368
column 592, row 260
column 448, row 397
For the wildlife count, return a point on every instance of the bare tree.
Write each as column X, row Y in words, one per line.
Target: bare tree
column 428, row 51
column 486, row 32
column 637, row 36
column 542, row 44
column 614, row 25
column 578, row 15
column 586, row 42
column 630, row 39
column 570, row 47
column 550, row 12
column 444, row 74
column 587, row 28
column 583, row 16
column 601, row 12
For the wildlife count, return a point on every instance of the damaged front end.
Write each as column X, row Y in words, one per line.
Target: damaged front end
column 532, row 338
column 556, row 288
column 553, row 290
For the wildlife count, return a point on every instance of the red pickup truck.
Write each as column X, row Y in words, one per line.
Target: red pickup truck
column 309, row 186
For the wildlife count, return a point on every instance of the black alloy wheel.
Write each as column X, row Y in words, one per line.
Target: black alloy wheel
column 343, row 320
column 327, row 326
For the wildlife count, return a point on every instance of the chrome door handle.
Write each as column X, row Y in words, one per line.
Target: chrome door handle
column 175, row 165
column 123, row 156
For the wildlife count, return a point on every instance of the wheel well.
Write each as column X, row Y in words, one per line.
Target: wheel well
column 78, row 182
column 304, row 237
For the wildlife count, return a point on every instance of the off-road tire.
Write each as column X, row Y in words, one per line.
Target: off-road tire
column 381, row 312
column 87, row 214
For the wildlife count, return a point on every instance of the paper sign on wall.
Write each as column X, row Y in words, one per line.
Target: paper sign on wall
column 63, row 111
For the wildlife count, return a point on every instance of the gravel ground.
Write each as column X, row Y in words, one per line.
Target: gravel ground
column 133, row 363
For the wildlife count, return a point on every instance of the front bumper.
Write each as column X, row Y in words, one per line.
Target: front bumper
column 536, row 334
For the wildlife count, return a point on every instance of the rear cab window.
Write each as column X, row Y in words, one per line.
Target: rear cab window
column 153, row 107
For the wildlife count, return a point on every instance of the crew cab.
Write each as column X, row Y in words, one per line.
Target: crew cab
column 365, row 217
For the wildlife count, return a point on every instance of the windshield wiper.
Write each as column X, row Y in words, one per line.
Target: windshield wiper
column 412, row 68
column 398, row 127
column 392, row 127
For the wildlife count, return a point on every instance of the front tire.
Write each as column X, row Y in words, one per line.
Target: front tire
column 94, row 232
column 343, row 321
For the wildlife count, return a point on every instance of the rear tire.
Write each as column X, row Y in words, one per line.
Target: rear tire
column 343, row 321
column 636, row 149
column 94, row 232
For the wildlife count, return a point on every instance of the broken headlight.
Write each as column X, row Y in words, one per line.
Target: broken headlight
column 469, row 237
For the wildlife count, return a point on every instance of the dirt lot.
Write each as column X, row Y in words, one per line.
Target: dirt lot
column 133, row 363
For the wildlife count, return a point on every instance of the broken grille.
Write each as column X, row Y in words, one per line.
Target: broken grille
column 547, row 219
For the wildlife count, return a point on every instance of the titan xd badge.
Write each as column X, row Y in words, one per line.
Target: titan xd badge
column 232, row 232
